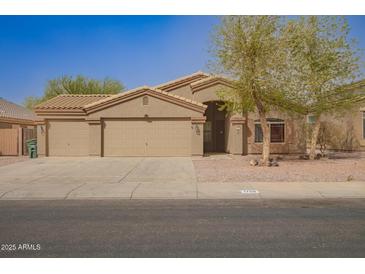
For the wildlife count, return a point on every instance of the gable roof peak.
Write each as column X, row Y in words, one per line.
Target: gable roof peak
column 182, row 81
column 139, row 91
column 211, row 80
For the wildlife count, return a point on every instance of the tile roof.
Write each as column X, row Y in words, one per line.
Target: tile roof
column 14, row 111
column 213, row 79
column 178, row 97
column 126, row 93
column 71, row 101
column 182, row 81
column 356, row 85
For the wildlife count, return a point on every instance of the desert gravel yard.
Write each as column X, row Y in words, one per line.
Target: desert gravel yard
column 238, row 169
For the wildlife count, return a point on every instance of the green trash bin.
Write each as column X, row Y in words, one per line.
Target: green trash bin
column 32, row 148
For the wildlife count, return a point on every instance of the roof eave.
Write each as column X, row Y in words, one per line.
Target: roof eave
column 45, row 112
column 205, row 83
column 12, row 120
column 183, row 81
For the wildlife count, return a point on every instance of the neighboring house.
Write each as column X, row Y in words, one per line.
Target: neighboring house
column 17, row 124
column 15, row 116
column 177, row 118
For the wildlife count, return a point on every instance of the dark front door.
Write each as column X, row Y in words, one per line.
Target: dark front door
column 214, row 129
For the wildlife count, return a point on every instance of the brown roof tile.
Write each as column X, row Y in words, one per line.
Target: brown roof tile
column 71, row 101
column 182, row 81
column 14, row 111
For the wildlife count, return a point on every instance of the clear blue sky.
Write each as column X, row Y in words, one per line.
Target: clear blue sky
column 137, row 50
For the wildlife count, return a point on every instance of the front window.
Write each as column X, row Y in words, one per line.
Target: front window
column 311, row 119
column 277, row 131
column 258, row 133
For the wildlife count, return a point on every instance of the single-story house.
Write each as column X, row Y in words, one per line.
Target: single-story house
column 17, row 124
column 177, row 118
column 15, row 116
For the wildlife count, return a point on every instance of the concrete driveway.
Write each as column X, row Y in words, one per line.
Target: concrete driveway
column 88, row 177
column 147, row 178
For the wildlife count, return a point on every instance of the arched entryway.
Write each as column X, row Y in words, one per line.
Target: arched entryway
column 214, row 128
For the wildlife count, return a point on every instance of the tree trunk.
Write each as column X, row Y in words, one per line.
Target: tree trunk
column 266, row 139
column 314, row 138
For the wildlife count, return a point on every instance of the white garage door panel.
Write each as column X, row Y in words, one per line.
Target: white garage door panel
column 69, row 138
column 147, row 138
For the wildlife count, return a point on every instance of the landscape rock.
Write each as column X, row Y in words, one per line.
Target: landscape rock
column 261, row 163
column 254, row 162
column 274, row 163
column 304, row 157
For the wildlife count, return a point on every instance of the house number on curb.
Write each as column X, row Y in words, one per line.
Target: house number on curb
column 249, row 191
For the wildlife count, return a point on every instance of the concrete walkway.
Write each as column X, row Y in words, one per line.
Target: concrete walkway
column 146, row 178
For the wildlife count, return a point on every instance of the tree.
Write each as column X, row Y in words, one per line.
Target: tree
column 324, row 62
column 251, row 50
column 78, row 85
column 31, row 101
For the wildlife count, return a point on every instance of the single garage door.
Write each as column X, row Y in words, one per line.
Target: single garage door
column 68, row 138
column 152, row 137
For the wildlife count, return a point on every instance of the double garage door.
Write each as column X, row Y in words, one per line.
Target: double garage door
column 132, row 137
column 147, row 137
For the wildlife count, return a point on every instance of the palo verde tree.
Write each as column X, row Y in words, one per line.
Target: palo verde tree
column 324, row 62
column 251, row 50
column 77, row 85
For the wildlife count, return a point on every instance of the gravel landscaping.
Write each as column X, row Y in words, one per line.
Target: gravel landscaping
column 238, row 169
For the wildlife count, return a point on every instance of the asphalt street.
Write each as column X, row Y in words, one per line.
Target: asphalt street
column 183, row 228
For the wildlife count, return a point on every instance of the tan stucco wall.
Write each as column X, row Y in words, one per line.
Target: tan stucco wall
column 95, row 140
column 346, row 128
column 197, row 134
column 204, row 95
column 135, row 109
column 208, row 94
column 294, row 138
column 236, row 133
column 184, row 91
column 41, row 139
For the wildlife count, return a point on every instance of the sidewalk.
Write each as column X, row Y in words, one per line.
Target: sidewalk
column 163, row 178
column 185, row 190
column 282, row 190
